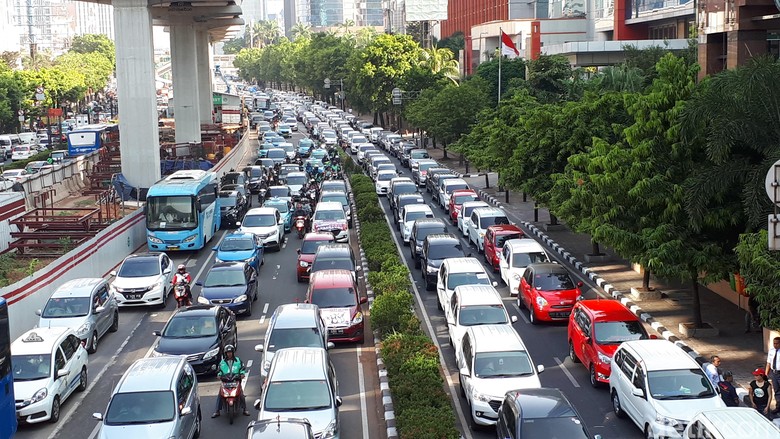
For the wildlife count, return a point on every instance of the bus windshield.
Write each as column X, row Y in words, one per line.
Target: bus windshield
column 171, row 213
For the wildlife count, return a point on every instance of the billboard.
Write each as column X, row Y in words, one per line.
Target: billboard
column 426, row 10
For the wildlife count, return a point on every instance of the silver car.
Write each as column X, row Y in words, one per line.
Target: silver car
column 86, row 305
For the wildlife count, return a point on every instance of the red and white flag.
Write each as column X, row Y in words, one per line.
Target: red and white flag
column 508, row 47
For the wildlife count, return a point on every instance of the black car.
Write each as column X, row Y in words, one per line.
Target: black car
column 420, row 230
column 287, row 428
column 200, row 332
column 232, row 207
column 230, row 284
column 404, row 153
column 430, row 184
column 535, row 413
column 403, row 187
column 333, row 257
column 233, row 178
column 435, row 249
column 257, row 179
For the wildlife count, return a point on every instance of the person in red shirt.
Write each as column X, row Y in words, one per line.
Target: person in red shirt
column 184, row 277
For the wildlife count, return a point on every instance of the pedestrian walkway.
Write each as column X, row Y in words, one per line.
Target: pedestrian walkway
column 741, row 353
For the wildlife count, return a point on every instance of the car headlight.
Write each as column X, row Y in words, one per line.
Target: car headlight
column 211, row 354
column 153, row 239
column 83, row 329
column 516, row 277
column 480, row 396
column 330, row 430
column 239, row 299
column 663, row 420
column 218, row 260
column 40, row 395
column 190, row 238
column 604, row 359
column 418, row 247
column 156, row 285
column 250, row 260
column 541, row 302
column 303, row 264
column 430, row 269
column 358, row 318
column 203, row 300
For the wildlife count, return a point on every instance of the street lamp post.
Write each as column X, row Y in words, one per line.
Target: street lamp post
column 340, row 94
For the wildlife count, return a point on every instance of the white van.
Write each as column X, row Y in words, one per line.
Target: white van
column 455, row 272
column 28, row 139
column 482, row 218
column 659, row 387
column 474, row 305
column 515, row 256
column 731, row 423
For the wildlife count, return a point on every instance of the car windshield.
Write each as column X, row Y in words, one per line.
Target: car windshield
column 340, row 198
column 296, row 180
column 445, row 250
column 404, row 188
column 553, row 281
column 189, row 326
column 225, row 278
column 334, row 186
column 334, row 297
column 488, row 221
column 482, row 315
column 281, row 207
column 501, row 239
column 139, row 267
column 227, row 199
column 415, row 215
column 310, row 246
column 279, row 191
column 332, row 264
column 285, row 396
column 171, row 213
column 618, row 332
column 419, row 155
column 237, row 245
column 294, row 338
column 62, row 307
column 329, row 215
column 276, row 154
column 460, row 199
column 256, row 172
column 522, row 260
column 259, row 221
column 386, row 176
column 679, row 384
column 554, row 428
column 141, row 408
column 426, row 166
column 502, row 364
column 31, row 367
column 287, row 147
column 423, row 232
column 455, row 280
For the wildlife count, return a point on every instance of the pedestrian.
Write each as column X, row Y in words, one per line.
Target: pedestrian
column 712, row 369
column 751, row 317
column 772, row 369
column 761, row 393
column 727, row 391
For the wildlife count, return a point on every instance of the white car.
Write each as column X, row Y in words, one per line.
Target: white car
column 516, row 255
column 266, row 224
column 383, row 181
column 455, row 272
column 329, row 217
column 292, row 123
column 22, row 152
column 329, row 137
column 409, row 214
column 465, row 214
column 143, row 279
column 482, row 218
column 49, row 364
column 474, row 305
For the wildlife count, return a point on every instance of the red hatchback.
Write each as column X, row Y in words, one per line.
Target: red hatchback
column 548, row 291
column 456, row 202
column 306, row 253
column 336, row 293
column 596, row 329
column 495, row 237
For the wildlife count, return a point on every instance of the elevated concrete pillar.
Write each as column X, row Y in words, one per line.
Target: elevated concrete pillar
column 206, row 103
column 137, row 97
column 186, row 110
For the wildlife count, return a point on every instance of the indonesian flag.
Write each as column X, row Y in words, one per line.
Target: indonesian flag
column 508, row 48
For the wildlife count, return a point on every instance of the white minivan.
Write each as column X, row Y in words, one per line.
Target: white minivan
column 515, row 256
column 482, row 218
column 731, row 423
column 659, row 387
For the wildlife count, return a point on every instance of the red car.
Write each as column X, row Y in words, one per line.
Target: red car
column 306, row 253
column 548, row 291
column 596, row 329
column 495, row 237
column 336, row 293
column 456, row 202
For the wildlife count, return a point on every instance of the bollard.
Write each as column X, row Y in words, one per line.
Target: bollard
column 525, row 199
column 467, row 166
column 536, row 213
column 487, row 180
column 506, row 196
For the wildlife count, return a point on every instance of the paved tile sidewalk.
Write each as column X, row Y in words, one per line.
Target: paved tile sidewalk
column 740, row 353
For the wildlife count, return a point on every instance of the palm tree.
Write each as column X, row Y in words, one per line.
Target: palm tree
column 441, row 60
column 301, row 30
column 621, row 78
column 347, row 26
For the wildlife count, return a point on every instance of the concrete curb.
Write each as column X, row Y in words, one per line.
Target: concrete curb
column 384, row 385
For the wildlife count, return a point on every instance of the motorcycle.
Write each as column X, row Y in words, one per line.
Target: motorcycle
column 180, row 294
column 230, row 391
column 300, row 226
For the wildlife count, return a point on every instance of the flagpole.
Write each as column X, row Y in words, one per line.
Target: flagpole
column 500, row 55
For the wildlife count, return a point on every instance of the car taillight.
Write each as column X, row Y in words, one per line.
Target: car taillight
column 343, row 227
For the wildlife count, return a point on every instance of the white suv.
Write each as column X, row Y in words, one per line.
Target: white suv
column 49, row 364
column 329, row 217
column 267, row 225
column 482, row 218
column 143, row 279
column 455, row 272
column 409, row 214
column 515, row 256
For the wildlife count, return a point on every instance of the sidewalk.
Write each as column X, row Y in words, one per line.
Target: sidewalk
column 740, row 353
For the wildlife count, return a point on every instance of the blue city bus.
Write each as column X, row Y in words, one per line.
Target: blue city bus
column 182, row 211
column 7, row 403
column 89, row 138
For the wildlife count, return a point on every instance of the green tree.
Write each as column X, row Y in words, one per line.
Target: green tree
column 455, row 42
column 760, row 268
column 94, row 66
column 235, row 45
column 248, row 63
column 325, row 56
column 95, row 43
column 12, row 91
column 300, row 30
column 510, row 69
column 552, row 79
column 441, row 60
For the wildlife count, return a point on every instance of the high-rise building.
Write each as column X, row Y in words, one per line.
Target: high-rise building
column 370, row 13
column 253, row 11
column 94, row 18
column 327, row 13
column 289, row 17
column 10, row 41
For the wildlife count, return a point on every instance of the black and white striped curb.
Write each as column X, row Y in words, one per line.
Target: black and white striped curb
column 384, row 386
column 603, row 284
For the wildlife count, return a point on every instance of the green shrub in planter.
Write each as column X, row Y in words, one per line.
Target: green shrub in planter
column 379, row 253
column 364, row 199
column 371, row 213
column 427, row 422
column 357, row 179
column 364, row 187
column 392, row 312
column 392, row 277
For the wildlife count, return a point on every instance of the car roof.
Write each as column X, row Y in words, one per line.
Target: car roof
column 196, row 310
column 318, row 236
column 280, row 428
column 296, row 173
column 456, row 180
column 299, row 364
column 660, row 354
column 415, row 195
column 296, row 315
column 329, row 205
column 226, row 266
column 523, row 245
column 730, row 423
column 332, row 192
column 223, row 193
column 332, row 278
column 464, row 265
column 39, row 340
column 417, row 208
column 334, row 248
column 151, row 374
column 470, row 295
column 239, row 235
column 429, row 222
column 548, row 268
column 489, row 211
column 501, row 229
column 144, row 255
column 78, row 287
column 463, row 192
column 542, row 403
column 607, row 310
column 468, row 204
column 262, row 211
column 440, row 238
column 495, row 338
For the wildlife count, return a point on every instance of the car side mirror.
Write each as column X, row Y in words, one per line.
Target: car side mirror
column 539, row 368
column 465, row 371
column 363, row 300
column 97, row 416
column 494, row 283
column 513, row 319
column 639, row 393
column 167, row 271
column 298, row 251
column 157, row 333
column 259, row 347
column 214, row 249
column 63, row 373
column 588, row 340
column 238, row 223
column 257, row 403
column 579, row 284
column 99, row 309
column 358, row 268
column 112, row 274
column 598, row 436
column 38, row 312
column 199, row 283
column 186, row 411
column 330, row 345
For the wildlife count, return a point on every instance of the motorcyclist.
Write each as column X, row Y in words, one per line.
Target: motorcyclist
column 309, row 169
column 231, row 364
column 183, row 276
column 301, row 210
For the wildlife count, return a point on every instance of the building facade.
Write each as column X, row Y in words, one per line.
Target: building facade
column 10, row 41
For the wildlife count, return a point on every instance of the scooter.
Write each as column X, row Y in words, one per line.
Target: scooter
column 300, row 226
column 180, row 294
column 230, row 391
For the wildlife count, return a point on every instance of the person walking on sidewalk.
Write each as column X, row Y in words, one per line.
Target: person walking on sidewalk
column 772, row 369
column 761, row 393
column 727, row 391
column 751, row 317
column 712, row 369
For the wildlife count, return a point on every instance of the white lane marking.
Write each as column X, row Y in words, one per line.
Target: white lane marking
column 262, row 319
column 265, row 307
column 206, row 262
column 520, row 312
column 284, row 244
column 362, row 387
column 72, row 407
column 450, row 384
column 566, row 371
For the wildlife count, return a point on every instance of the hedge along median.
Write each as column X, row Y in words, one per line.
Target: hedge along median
column 422, row 407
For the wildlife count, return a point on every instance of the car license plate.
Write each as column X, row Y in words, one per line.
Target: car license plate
column 133, row 296
column 173, row 247
column 335, row 331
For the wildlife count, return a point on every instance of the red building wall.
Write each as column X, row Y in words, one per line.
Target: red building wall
column 462, row 14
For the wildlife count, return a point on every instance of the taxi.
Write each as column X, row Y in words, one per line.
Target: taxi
column 285, row 210
column 49, row 364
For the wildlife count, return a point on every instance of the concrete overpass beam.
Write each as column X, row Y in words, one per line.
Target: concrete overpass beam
column 204, row 76
column 137, row 97
column 185, row 83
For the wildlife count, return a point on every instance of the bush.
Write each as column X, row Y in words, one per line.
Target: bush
column 392, row 312
column 392, row 277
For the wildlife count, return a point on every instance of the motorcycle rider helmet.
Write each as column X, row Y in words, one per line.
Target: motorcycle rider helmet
column 181, row 268
column 230, row 348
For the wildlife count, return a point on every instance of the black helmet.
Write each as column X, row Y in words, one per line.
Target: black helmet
column 230, row 348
